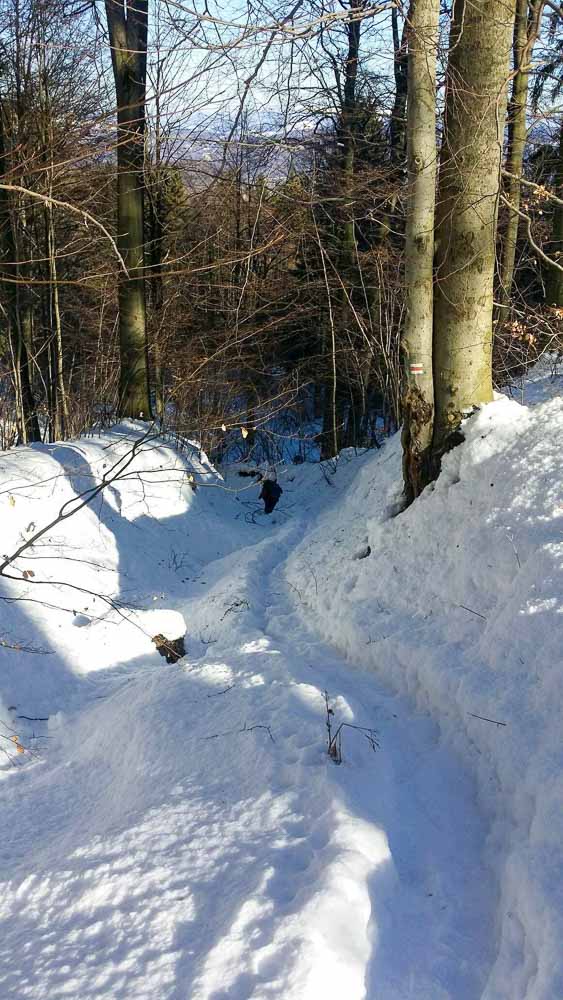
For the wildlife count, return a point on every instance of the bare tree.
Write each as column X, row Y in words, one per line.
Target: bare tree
column 418, row 400
column 14, row 291
column 127, row 22
column 526, row 29
column 468, row 195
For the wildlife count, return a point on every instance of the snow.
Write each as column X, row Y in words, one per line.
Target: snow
column 541, row 382
column 179, row 831
column 460, row 605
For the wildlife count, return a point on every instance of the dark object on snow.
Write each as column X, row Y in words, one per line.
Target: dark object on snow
column 362, row 553
column 270, row 494
column 171, row 649
column 251, row 473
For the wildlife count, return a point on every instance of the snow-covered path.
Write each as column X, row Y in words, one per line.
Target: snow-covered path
column 185, row 836
column 431, row 899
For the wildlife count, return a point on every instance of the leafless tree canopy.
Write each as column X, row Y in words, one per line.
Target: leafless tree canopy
column 274, row 228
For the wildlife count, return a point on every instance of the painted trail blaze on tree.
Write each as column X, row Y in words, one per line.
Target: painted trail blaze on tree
column 418, row 397
column 127, row 26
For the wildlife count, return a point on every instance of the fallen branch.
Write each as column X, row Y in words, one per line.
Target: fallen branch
column 484, row 719
column 215, row 694
column 245, row 729
column 471, row 611
column 20, row 647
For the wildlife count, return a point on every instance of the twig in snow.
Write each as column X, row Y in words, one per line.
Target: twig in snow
column 206, row 642
column 329, row 712
column 484, row 719
column 245, row 729
column 298, row 592
column 237, row 607
column 312, row 572
column 471, row 611
column 511, row 540
column 335, row 740
column 20, row 647
column 215, row 694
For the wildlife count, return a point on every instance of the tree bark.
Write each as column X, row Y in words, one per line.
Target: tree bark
column 58, row 405
column 128, row 39
column 468, row 192
column 525, row 33
column 554, row 284
column 334, row 423
column 17, row 311
column 349, row 128
column 418, row 399
column 397, row 125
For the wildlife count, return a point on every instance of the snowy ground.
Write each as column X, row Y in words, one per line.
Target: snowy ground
column 178, row 832
column 543, row 381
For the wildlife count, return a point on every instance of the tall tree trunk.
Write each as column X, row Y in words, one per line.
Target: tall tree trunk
column 128, row 39
column 16, row 310
column 418, row 399
column 554, row 289
column 348, row 130
column 156, row 283
column 335, row 394
column 398, row 125
column 468, row 192
column 54, row 371
column 61, row 428
column 393, row 218
column 525, row 33
column 57, row 393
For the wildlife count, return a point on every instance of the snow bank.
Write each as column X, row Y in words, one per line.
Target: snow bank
column 169, row 831
column 108, row 564
column 460, row 605
column 179, row 831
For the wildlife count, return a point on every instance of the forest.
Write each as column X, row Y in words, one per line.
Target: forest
column 281, row 574
column 317, row 224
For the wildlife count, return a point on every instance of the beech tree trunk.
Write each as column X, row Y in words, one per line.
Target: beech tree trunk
column 468, row 192
column 127, row 27
column 418, row 398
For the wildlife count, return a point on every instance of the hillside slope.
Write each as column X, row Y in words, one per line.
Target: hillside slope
column 178, row 831
column 460, row 605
